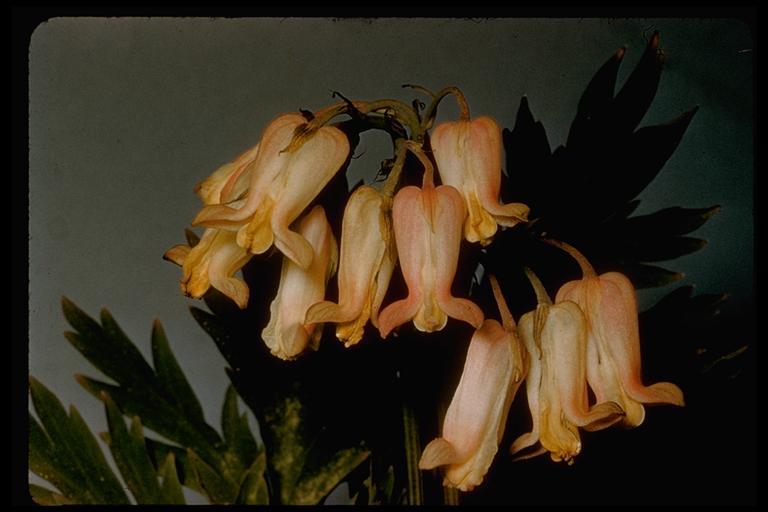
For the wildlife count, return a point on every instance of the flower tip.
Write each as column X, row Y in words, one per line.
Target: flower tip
column 177, row 254
column 438, row 452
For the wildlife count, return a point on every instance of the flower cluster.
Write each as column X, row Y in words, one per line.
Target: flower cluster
column 587, row 339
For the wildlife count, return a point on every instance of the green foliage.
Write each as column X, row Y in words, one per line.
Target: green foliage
column 130, row 454
column 322, row 416
column 304, row 462
column 584, row 191
column 65, row 452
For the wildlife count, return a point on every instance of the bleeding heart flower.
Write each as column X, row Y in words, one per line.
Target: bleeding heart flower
column 212, row 262
column 495, row 367
column 468, row 156
column 217, row 257
column 368, row 258
column 427, row 223
column 613, row 349
column 230, row 181
column 284, row 180
column 556, row 339
column 286, row 334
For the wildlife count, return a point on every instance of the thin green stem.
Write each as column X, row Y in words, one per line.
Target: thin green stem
column 412, row 454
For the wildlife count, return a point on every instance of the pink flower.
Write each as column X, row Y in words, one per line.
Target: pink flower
column 368, row 258
column 468, row 156
column 427, row 223
column 474, row 423
column 282, row 184
column 286, row 334
column 613, row 349
column 556, row 339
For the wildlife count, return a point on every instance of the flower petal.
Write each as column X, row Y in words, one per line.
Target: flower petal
column 364, row 273
column 177, row 254
column 532, row 381
column 475, row 419
column 285, row 334
column 468, row 156
column 437, row 453
column 228, row 181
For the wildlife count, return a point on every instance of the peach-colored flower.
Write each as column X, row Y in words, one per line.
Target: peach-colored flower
column 368, row 258
column 282, row 184
column 468, row 156
column 556, row 339
column 230, row 181
column 474, row 423
column 286, row 335
column 217, row 257
column 212, row 262
column 427, row 223
column 613, row 349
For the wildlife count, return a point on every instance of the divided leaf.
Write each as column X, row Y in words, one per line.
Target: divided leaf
column 65, row 452
column 130, row 454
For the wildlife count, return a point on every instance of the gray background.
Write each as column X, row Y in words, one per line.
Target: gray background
column 126, row 115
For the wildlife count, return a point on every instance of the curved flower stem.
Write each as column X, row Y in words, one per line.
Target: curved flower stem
column 389, row 125
column 418, row 151
column 506, row 317
column 587, row 269
column 420, row 88
column 401, row 150
column 396, row 108
column 542, row 297
column 430, row 112
column 412, row 454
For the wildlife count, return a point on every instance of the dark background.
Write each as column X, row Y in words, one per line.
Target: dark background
column 127, row 114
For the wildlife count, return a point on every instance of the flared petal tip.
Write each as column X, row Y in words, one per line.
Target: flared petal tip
column 397, row 313
column 234, row 289
column 438, row 452
column 464, row 310
column 177, row 254
column 211, row 216
column 322, row 312
column 602, row 416
column 511, row 214
column 661, row 393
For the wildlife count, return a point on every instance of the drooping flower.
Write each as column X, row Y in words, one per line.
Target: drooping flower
column 468, row 156
column 613, row 350
column 230, row 181
column 286, row 334
column 212, row 262
column 427, row 223
column 282, row 184
column 555, row 337
column 474, row 423
column 367, row 261
column 217, row 257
